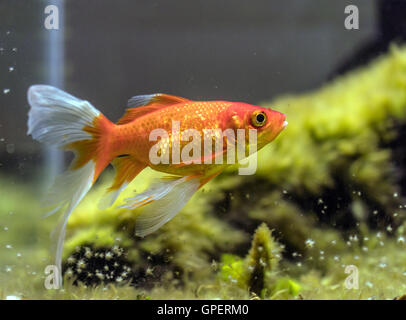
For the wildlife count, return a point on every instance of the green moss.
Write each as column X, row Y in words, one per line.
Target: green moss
column 262, row 259
column 257, row 272
column 233, row 270
column 329, row 187
column 339, row 131
column 285, row 288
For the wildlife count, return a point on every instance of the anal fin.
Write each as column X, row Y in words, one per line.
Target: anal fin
column 163, row 201
column 127, row 168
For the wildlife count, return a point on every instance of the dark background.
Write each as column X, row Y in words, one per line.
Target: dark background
column 233, row 50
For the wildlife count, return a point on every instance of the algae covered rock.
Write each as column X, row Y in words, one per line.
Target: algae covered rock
column 181, row 250
column 331, row 187
column 332, row 167
column 338, row 144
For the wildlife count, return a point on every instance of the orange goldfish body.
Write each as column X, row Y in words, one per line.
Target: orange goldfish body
column 142, row 136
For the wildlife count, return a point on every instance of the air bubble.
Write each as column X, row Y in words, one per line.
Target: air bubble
column 10, row 148
column 353, row 238
column 309, row 243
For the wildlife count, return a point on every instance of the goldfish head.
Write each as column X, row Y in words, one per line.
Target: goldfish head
column 268, row 123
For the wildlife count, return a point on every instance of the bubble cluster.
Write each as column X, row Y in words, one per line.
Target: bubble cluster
column 102, row 265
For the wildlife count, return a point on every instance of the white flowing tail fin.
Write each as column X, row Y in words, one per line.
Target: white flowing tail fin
column 59, row 119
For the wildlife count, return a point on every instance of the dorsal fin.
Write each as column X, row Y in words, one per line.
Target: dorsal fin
column 152, row 99
column 133, row 113
column 143, row 104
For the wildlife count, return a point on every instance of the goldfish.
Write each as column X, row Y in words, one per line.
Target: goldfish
column 132, row 144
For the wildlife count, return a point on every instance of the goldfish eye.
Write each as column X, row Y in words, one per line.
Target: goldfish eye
column 258, row 118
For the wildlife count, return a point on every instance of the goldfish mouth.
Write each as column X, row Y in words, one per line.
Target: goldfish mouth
column 284, row 125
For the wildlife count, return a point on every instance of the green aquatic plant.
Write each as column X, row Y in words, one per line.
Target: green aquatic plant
column 262, row 259
column 331, row 168
column 257, row 272
column 340, row 139
column 180, row 251
column 330, row 188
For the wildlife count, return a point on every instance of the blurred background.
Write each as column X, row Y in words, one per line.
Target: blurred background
column 230, row 50
column 332, row 186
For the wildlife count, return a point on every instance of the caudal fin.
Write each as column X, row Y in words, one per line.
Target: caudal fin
column 60, row 119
